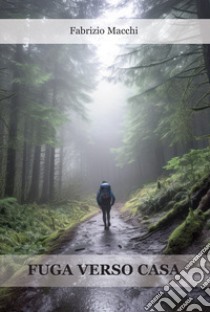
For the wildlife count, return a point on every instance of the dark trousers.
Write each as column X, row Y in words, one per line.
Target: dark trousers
column 106, row 214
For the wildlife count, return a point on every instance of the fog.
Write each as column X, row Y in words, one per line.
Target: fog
column 106, row 114
column 89, row 158
column 74, row 115
column 119, row 140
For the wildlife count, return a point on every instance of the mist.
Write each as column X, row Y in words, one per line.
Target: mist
column 74, row 115
column 93, row 139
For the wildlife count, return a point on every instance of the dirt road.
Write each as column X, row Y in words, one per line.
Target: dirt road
column 91, row 238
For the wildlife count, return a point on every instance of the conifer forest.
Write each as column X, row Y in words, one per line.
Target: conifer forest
column 74, row 115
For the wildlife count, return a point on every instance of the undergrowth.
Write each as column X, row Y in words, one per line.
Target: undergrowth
column 155, row 197
column 171, row 197
column 35, row 229
column 184, row 234
column 172, row 193
column 31, row 229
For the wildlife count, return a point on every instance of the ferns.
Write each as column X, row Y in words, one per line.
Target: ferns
column 191, row 166
column 172, row 193
column 6, row 204
column 31, row 228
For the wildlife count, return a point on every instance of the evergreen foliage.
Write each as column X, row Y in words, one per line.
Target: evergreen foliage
column 45, row 84
column 191, row 166
column 45, row 93
column 43, row 88
column 171, row 89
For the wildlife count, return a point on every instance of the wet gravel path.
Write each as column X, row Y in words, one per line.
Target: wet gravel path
column 91, row 238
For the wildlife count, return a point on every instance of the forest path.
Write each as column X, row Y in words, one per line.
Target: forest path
column 91, row 238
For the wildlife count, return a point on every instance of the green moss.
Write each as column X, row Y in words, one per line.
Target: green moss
column 179, row 209
column 183, row 235
column 207, row 214
column 53, row 236
column 33, row 229
column 152, row 199
column 170, row 205
column 199, row 184
column 131, row 206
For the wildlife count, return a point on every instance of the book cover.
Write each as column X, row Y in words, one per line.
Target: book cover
column 104, row 155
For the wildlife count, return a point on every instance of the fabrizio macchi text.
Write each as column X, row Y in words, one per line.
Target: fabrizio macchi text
column 104, row 31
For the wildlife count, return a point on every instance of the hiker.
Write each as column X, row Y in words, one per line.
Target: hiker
column 105, row 199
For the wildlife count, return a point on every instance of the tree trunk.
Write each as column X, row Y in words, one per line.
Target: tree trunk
column 52, row 149
column 23, row 189
column 45, row 196
column 203, row 8
column 60, row 174
column 33, row 195
column 26, row 159
column 13, row 125
column 3, row 150
column 52, row 174
column 160, row 158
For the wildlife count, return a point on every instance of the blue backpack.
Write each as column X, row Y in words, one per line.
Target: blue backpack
column 105, row 193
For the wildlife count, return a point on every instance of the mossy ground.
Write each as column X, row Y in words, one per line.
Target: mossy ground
column 171, row 197
column 184, row 234
column 31, row 229
column 37, row 229
column 177, row 206
column 157, row 198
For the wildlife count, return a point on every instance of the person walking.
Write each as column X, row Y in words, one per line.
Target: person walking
column 105, row 199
